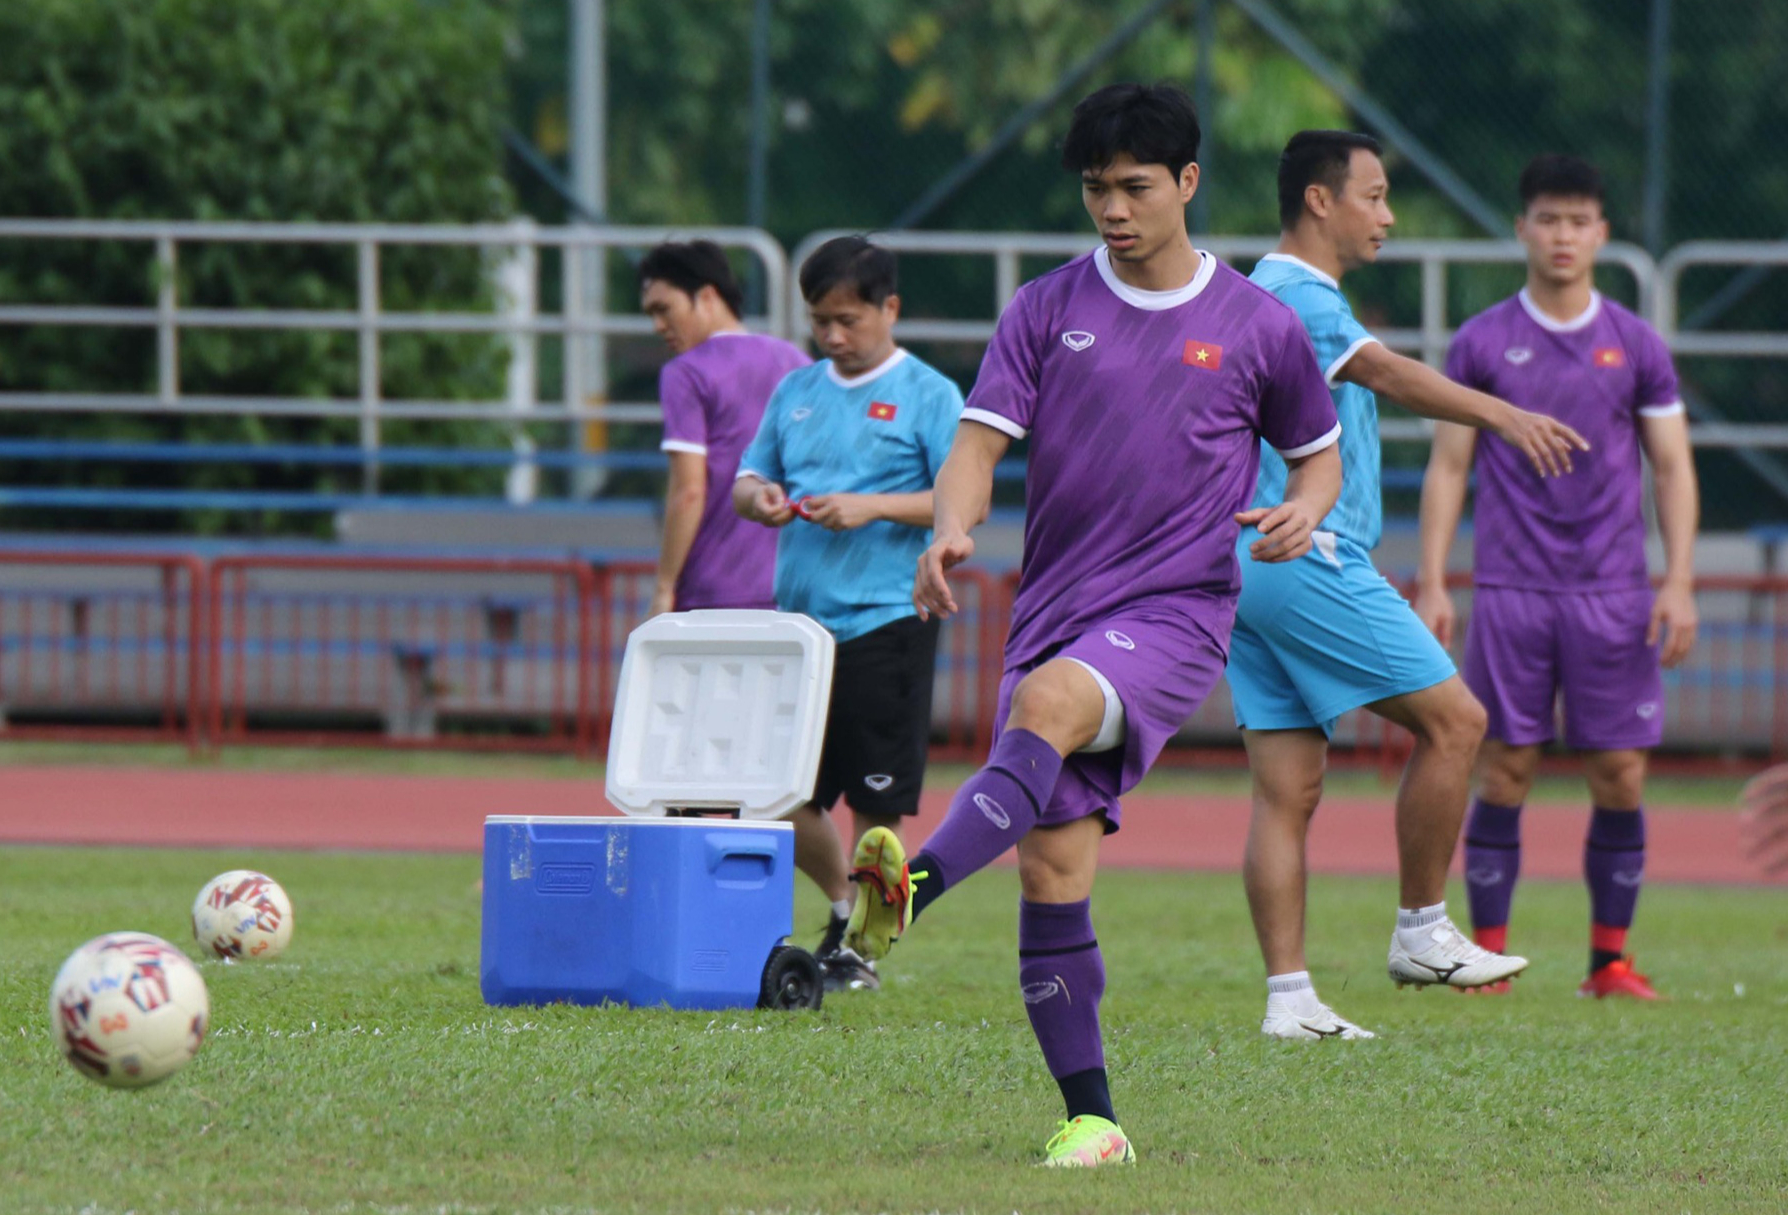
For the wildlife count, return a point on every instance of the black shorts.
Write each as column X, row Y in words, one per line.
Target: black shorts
column 878, row 729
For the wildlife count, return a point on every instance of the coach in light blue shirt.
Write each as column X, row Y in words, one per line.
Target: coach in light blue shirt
column 843, row 464
column 853, row 444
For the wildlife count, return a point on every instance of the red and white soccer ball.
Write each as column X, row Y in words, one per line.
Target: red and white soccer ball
column 128, row 1009
column 242, row 915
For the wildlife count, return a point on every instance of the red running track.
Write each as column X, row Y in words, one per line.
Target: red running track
column 202, row 809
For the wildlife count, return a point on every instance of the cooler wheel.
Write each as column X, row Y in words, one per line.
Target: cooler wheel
column 791, row 980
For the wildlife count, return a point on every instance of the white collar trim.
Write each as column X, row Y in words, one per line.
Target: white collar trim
column 1294, row 260
column 874, row 373
column 1155, row 301
column 1557, row 326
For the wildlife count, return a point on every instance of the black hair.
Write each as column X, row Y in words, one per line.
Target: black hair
column 1563, row 176
column 1157, row 124
column 690, row 266
column 849, row 261
column 1316, row 158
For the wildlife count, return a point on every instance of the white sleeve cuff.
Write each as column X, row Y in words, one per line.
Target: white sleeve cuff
column 1334, row 368
column 694, row 449
column 752, row 472
column 1004, row 425
column 1666, row 410
column 1310, row 449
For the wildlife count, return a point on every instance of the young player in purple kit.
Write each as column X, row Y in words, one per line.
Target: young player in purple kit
column 713, row 391
column 1145, row 375
column 1563, row 602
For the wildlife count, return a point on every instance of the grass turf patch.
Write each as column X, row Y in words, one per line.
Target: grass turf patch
column 361, row 1072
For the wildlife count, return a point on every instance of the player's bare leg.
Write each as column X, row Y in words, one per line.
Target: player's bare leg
column 1505, row 773
column 1287, row 767
column 819, row 852
column 1426, row 948
column 1448, row 724
column 1614, row 868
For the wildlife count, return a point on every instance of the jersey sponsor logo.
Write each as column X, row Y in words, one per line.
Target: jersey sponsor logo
column 1648, row 710
column 879, row 782
column 1036, row 993
column 1119, row 640
column 800, row 415
column 1207, row 355
column 1078, row 339
column 996, row 813
column 1517, row 355
column 1610, row 356
column 881, row 411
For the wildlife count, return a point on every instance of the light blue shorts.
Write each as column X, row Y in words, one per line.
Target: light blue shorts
column 1321, row 635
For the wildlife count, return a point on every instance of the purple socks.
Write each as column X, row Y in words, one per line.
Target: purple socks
column 1614, row 868
column 1492, row 863
column 990, row 813
column 1061, row 975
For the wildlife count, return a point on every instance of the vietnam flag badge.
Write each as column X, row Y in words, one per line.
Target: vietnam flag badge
column 1207, row 355
column 881, row 411
column 1610, row 356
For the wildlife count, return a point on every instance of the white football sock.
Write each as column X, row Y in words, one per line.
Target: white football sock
column 1412, row 925
column 1292, row 993
column 841, row 910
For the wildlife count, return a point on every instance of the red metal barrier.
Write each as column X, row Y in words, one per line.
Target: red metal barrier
column 86, row 660
column 308, row 649
column 524, row 654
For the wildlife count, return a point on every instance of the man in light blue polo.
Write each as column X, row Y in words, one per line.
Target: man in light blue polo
column 1324, row 634
column 843, row 464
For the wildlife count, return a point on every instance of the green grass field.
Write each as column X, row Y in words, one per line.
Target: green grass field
column 361, row 1072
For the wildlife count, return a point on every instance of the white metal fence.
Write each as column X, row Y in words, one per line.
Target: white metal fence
column 519, row 318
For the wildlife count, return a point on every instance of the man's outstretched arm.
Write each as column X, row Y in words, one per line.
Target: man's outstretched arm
column 1545, row 441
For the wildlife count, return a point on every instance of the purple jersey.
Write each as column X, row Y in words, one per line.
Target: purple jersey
column 1599, row 373
column 714, row 397
column 1145, row 410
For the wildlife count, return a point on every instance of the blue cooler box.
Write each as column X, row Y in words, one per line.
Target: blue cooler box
column 681, row 912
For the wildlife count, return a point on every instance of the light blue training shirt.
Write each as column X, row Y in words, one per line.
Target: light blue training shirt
column 886, row 431
column 1359, row 513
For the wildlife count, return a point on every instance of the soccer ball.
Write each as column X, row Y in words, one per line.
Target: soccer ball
column 128, row 1009
column 241, row 915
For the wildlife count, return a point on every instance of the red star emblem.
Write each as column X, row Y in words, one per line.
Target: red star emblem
column 881, row 411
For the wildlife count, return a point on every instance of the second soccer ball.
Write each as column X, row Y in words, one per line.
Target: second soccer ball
column 242, row 915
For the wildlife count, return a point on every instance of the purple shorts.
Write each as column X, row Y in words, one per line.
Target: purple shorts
column 1524, row 648
column 1163, row 660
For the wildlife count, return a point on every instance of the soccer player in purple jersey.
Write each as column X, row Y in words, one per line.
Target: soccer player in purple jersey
column 713, row 390
column 1563, row 601
column 1145, row 375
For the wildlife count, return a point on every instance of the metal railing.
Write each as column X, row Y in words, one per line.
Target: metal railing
column 369, row 320
column 517, row 317
column 1693, row 341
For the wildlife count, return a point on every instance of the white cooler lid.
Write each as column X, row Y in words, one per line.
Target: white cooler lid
column 721, row 709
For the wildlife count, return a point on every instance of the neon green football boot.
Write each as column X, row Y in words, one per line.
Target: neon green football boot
column 884, row 903
column 1087, row 1142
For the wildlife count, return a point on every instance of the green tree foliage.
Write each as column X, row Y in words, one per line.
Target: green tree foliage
column 379, row 110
